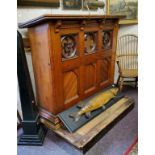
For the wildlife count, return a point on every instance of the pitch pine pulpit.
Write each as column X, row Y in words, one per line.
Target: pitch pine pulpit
column 73, row 57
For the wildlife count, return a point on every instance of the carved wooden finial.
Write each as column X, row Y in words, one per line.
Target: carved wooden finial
column 101, row 23
column 58, row 25
column 83, row 23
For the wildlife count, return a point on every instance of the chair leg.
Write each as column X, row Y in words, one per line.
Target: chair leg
column 118, row 81
column 121, row 84
column 136, row 82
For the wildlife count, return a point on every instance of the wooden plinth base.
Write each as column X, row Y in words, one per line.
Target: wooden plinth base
column 85, row 137
column 49, row 119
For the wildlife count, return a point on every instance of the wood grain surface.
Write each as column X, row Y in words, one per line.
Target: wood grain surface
column 63, row 82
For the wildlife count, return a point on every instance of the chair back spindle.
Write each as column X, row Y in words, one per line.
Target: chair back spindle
column 127, row 51
column 127, row 58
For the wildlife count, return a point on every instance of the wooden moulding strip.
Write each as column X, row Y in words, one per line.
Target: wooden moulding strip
column 50, row 125
column 49, row 116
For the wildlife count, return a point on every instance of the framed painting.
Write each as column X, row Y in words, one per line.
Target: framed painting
column 47, row 3
column 123, row 7
column 91, row 7
column 72, row 4
column 93, row 4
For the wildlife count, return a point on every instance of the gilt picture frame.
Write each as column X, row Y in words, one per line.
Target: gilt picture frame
column 45, row 3
column 123, row 7
column 72, row 4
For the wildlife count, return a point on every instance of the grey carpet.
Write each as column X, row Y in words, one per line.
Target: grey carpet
column 115, row 142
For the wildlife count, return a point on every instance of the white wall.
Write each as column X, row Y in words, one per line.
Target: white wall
column 125, row 29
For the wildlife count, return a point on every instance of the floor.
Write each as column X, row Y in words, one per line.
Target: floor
column 115, row 142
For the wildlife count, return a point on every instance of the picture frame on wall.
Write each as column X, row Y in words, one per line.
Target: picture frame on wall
column 72, row 4
column 90, row 7
column 46, row 3
column 123, row 7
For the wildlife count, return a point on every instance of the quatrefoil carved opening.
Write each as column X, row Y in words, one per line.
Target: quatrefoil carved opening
column 89, row 43
column 107, row 40
column 68, row 44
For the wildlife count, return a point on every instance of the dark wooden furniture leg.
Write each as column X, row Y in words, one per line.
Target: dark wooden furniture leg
column 118, row 81
column 121, row 84
column 33, row 132
column 136, row 84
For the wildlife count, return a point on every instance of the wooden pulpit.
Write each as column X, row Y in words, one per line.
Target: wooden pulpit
column 73, row 57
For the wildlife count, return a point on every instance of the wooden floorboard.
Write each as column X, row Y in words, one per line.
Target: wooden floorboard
column 87, row 135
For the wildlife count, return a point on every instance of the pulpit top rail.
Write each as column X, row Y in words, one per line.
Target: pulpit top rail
column 49, row 17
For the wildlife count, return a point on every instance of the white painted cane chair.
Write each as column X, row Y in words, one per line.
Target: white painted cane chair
column 127, row 58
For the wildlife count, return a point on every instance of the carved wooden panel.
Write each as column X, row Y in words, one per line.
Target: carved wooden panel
column 68, row 45
column 70, row 86
column 107, row 39
column 89, row 77
column 104, row 68
column 90, row 42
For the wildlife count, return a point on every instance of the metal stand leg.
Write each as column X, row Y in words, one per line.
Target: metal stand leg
column 34, row 133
